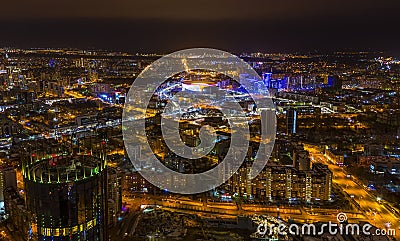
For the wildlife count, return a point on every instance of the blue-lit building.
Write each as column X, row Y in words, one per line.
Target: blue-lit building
column 291, row 121
column 267, row 79
column 334, row 83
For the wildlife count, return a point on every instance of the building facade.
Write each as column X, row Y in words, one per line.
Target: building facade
column 284, row 183
column 64, row 196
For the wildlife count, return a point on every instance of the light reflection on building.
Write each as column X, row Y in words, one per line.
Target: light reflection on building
column 64, row 195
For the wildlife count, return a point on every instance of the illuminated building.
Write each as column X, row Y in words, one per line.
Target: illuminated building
column 8, row 179
column 134, row 182
column 335, row 156
column 267, row 79
column 372, row 149
column 24, row 97
column 9, row 128
column 284, row 183
column 384, row 164
column 298, row 97
column 114, row 198
column 198, row 86
column 389, row 117
column 53, row 87
column 240, row 182
column 102, row 88
column 18, row 217
column 265, row 124
column 335, row 82
column 321, row 181
column 301, row 158
column 291, row 121
column 64, row 195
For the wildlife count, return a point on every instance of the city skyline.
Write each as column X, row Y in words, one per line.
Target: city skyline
column 335, row 152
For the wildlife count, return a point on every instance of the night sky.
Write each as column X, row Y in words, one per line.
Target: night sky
column 166, row 26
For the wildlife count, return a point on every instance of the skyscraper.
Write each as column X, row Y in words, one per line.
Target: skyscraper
column 114, row 198
column 291, row 121
column 7, row 180
column 65, row 197
column 267, row 79
column 335, row 82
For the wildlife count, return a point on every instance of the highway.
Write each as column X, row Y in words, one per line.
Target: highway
column 368, row 203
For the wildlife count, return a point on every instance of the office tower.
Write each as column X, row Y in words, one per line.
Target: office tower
column 303, row 161
column 8, row 179
column 291, row 121
column 267, row 79
column 268, row 122
column 17, row 216
column 64, row 195
column 321, row 182
column 301, row 158
column 335, row 82
column 114, row 199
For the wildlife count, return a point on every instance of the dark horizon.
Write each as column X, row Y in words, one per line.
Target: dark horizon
column 263, row 26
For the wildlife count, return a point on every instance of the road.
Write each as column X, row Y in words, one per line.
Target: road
column 372, row 207
column 230, row 210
